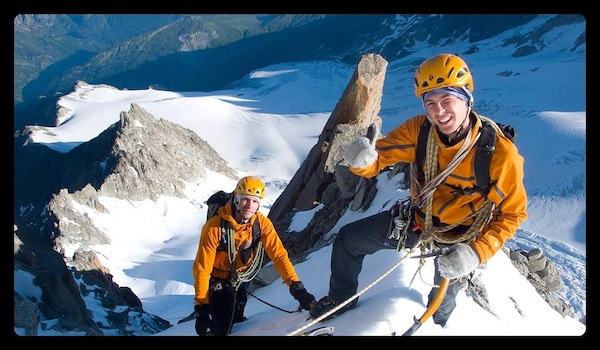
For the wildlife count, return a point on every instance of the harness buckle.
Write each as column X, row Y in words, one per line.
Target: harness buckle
column 218, row 286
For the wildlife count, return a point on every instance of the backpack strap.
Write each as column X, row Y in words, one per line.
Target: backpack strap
column 485, row 147
column 255, row 233
column 422, row 145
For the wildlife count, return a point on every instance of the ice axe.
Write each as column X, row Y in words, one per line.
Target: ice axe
column 435, row 304
column 439, row 296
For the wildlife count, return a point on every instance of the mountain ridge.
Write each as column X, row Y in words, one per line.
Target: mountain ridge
column 202, row 68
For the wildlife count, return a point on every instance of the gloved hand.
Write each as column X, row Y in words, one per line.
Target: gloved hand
column 460, row 260
column 202, row 319
column 361, row 152
column 299, row 293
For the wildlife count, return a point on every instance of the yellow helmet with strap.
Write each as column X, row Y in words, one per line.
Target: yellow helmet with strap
column 441, row 71
column 250, row 186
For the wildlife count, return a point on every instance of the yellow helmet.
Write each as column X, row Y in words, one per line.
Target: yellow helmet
column 250, row 186
column 442, row 71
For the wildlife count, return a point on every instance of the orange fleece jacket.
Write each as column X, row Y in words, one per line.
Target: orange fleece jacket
column 506, row 170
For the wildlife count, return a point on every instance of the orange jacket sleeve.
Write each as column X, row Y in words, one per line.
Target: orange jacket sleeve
column 276, row 251
column 210, row 238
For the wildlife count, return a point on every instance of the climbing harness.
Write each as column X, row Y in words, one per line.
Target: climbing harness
column 401, row 220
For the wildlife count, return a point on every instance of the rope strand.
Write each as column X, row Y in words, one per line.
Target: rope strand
column 341, row 305
column 430, row 233
column 238, row 277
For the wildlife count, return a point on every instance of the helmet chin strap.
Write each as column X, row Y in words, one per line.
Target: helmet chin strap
column 458, row 130
column 460, row 127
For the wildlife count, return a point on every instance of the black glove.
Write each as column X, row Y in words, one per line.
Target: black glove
column 299, row 293
column 202, row 319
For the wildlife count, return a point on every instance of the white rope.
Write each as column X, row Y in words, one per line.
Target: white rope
column 341, row 305
column 252, row 271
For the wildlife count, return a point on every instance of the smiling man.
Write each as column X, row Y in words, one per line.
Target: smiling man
column 463, row 222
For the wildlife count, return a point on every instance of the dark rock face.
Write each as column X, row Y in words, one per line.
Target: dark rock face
column 60, row 294
column 322, row 178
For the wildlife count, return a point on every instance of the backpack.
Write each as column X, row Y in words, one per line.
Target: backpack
column 214, row 202
column 483, row 156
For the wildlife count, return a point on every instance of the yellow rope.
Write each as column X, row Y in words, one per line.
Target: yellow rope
column 431, row 234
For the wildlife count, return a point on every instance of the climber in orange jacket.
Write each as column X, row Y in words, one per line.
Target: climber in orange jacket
column 446, row 208
column 220, row 295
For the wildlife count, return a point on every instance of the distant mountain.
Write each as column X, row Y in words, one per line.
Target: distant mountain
column 47, row 45
column 208, row 52
column 52, row 52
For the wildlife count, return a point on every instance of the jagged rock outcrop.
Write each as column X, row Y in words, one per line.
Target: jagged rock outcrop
column 539, row 271
column 321, row 178
column 543, row 275
column 358, row 107
column 60, row 297
column 63, row 289
column 149, row 158
column 137, row 158
column 159, row 159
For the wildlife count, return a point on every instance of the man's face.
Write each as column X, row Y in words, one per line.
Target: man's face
column 248, row 206
column 447, row 111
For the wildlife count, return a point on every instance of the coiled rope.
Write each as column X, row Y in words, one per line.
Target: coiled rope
column 433, row 180
column 237, row 278
column 247, row 275
column 430, row 233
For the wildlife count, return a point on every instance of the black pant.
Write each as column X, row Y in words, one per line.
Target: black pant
column 225, row 303
column 364, row 237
